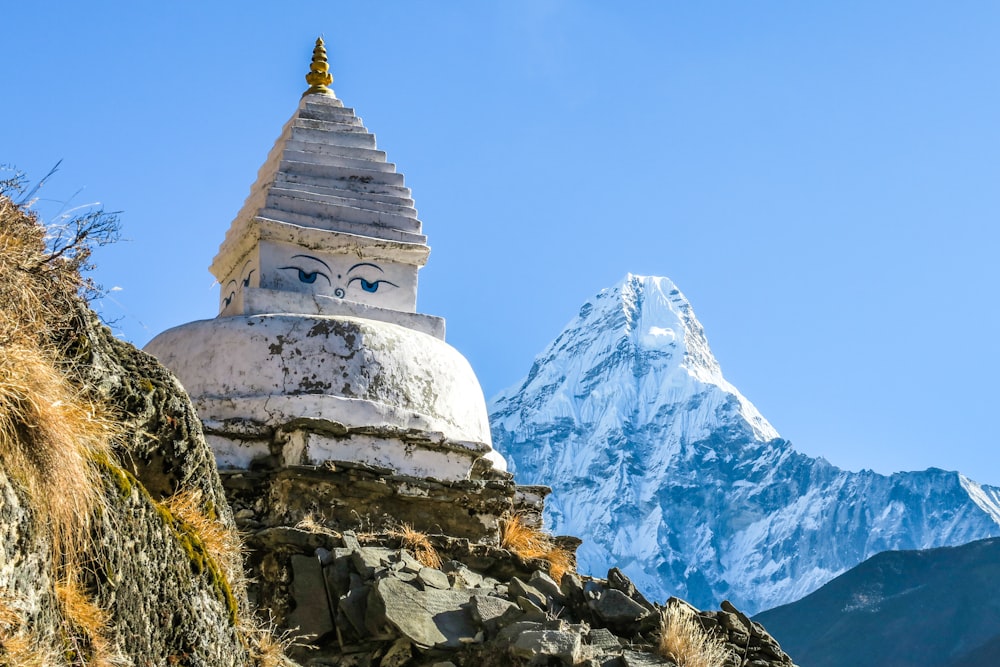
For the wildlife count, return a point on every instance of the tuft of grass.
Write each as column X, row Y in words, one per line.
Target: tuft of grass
column 311, row 525
column 221, row 543
column 420, row 545
column 684, row 641
column 50, row 435
column 528, row 541
column 267, row 645
column 18, row 648
column 86, row 625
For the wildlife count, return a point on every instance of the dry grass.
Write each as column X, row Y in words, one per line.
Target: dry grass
column 50, row 436
column 87, row 625
column 18, row 648
column 311, row 525
column 50, row 432
column 528, row 541
column 420, row 545
column 684, row 641
column 267, row 645
column 221, row 542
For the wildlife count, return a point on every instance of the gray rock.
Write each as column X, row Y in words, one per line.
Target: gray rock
column 562, row 645
column 369, row 559
column 433, row 578
column 638, row 659
column 398, row 654
column 518, row 627
column 312, row 607
column 547, row 586
column 603, row 639
column 354, row 606
column 427, row 618
column 533, row 612
column 488, row 610
column 350, row 540
column 616, row 608
column 518, row 588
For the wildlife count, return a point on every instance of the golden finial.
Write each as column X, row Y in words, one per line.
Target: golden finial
column 319, row 76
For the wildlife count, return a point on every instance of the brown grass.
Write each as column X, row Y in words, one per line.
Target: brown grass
column 420, row 545
column 50, row 436
column 87, row 625
column 685, row 641
column 528, row 541
column 50, row 432
column 267, row 645
column 222, row 543
column 311, row 525
column 18, row 648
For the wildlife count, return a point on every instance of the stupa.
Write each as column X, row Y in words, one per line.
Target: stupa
column 318, row 352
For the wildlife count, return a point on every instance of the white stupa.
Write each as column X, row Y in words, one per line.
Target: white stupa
column 318, row 352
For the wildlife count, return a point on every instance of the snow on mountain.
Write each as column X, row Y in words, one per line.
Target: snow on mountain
column 666, row 470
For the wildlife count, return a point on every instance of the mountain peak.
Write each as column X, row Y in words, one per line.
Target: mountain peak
column 635, row 343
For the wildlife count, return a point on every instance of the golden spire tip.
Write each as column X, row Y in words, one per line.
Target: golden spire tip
column 319, row 77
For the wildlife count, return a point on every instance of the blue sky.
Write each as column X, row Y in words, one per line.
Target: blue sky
column 820, row 179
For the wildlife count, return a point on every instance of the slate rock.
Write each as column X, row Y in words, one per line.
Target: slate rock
column 488, row 610
column 545, row 585
column 433, row 578
column 639, row 659
column 617, row 608
column 517, row 588
column 562, row 645
column 603, row 639
column 312, row 607
column 428, row 618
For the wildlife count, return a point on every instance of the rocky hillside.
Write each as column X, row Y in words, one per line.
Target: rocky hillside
column 661, row 466
column 933, row 608
column 118, row 544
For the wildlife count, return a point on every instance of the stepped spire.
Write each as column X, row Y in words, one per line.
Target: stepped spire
column 319, row 76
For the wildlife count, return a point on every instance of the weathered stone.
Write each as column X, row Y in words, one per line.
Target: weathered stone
column 518, row 588
column 398, row 654
column 514, row 629
column 562, row 645
column 532, row 611
column 616, row 608
column 354, row 607
column 639, row 659
column 545, row 585
column 427, row 618
column 603, row 639
column 488, row 610
column 433, row 578
column 312, row 607
column 618, row 581
column 369, row 559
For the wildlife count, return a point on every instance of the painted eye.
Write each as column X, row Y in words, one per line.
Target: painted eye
column 229, row 299
column 370, row 286
column 307, row 278
column 246, row 281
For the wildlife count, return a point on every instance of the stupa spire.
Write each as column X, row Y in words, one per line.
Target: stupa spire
column 319, row 77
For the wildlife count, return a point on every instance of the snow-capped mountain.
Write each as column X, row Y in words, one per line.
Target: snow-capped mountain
column 667, row 471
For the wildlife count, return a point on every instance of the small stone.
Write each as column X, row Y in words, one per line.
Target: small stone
column 562, row 645
column 616, row 608
column 427, row 618
column 514, row 629
column 488, row 610
column 637, row 659
column 312, row 608
column 533, row 611
column 242, row 514
column 547, row 586
column 398, row 654
column 518, row 588
column 603, row 639
column 433, row 578
column 350, row 540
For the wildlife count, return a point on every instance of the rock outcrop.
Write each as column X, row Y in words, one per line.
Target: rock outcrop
column 100, row 563
column 363, row 600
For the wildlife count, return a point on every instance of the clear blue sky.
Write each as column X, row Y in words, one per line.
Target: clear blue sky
column 820, row 179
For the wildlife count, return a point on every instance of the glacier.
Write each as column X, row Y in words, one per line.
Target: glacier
column 667, row 471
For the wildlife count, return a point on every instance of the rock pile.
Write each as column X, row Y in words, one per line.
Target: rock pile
column 376, row 605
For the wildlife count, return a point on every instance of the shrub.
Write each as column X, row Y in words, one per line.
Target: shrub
column 684, row 641
column 528, row 541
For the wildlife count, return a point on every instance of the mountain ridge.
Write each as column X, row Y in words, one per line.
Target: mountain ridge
column 659, row 463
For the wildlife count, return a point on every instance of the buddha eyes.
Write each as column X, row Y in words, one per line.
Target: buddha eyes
column 310, row 277
column 307, row 277
column 369, row 286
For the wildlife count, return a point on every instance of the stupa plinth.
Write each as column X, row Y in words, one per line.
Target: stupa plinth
column 318, row 352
